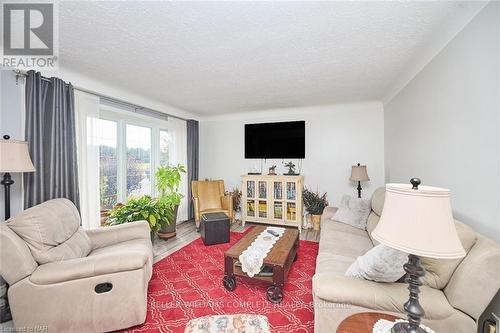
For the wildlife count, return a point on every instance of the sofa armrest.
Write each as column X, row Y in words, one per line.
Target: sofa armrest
column 95, row 265
column 378, row 296
column 106, row 236
column 328, row 212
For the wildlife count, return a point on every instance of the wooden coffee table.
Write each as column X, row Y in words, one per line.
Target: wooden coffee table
column 280, row 258
column 362, row 322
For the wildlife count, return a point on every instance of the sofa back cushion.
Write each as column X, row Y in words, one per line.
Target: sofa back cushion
column 439, row 271
column 378, row 199
column 476, row 279
column 370, row 226
column 52, row 231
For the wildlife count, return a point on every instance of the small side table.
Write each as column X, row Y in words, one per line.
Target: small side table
column 362, row 322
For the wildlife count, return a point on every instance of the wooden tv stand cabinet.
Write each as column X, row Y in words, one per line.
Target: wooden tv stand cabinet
column 274, row 200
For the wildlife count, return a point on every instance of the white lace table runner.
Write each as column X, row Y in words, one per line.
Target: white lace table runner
column 384, row 326
column 253, row 257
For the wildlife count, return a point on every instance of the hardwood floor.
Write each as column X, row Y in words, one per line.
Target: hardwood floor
column 186, row 233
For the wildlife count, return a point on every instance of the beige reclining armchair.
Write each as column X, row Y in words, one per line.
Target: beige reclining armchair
column 65, row 279
column 209, row 197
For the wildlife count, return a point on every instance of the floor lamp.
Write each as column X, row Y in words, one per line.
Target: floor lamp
column 417, row 220
column 14, row 157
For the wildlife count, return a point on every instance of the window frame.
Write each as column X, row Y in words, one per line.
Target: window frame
column 122, row 119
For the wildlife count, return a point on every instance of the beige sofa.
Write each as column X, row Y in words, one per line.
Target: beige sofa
column 454, row 294
column 65, row 279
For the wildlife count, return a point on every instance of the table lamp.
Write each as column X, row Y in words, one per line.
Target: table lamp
column 418, row 221
column 359, row 174
column 14, row 157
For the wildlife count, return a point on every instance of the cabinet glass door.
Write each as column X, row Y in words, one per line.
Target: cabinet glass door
column 262, row 190
column 291, row 211
column 250, row 208
column 262, row 208
column 278, row 190
column 278, row 210
column 250, row 189
column 291, row 190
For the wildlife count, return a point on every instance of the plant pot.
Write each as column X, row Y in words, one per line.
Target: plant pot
column 104, row 214
column 316, row 221
column 169, row 231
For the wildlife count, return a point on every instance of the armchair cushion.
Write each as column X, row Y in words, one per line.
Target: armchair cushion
column 80, row 268
column 210, row 193
column 52, row 231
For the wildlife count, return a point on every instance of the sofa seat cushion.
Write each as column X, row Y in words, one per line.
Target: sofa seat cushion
column 52, row 231
column 81, row 268
column 379, row 296
column 333, row 264
column 342, row 239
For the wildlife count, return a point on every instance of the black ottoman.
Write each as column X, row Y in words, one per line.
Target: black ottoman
column 214, row 228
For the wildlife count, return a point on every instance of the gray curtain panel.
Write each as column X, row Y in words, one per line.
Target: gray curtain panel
column 50, row 132
column 192, row 159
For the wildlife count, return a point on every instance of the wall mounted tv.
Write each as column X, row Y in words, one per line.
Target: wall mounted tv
column 275, row 140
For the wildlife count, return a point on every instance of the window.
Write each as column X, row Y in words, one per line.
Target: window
column 108, row 166
column 138, row 160
column 130, row 150
column 164, row 142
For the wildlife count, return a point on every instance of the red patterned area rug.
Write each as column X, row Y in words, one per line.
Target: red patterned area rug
column 188, row 284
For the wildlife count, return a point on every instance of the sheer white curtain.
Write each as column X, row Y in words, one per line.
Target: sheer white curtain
column 87, row 115
column 178, row 154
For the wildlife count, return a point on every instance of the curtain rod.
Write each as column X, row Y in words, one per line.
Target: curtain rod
column 136, row 107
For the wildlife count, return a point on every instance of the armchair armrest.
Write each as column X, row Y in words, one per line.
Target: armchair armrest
column 106, row 236
column 196, row 207
column 227, row 203
column 378, row 296
column 95, row 265
column 328, row 212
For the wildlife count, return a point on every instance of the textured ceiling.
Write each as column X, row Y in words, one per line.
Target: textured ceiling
column 220, row 57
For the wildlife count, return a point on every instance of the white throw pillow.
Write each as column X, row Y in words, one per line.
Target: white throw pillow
column 380, row 264
column 353, row 211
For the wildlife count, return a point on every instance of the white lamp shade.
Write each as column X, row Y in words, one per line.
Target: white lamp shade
column 359, row 173
column 14, row 156
column 419, row 221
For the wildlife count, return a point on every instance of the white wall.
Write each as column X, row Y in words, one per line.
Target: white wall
column 337, row 136
column 11, row 123
column 444, row 126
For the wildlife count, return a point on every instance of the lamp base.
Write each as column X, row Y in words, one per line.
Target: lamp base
column 405, row 328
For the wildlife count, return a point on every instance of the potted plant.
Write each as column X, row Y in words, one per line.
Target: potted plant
column 156, row 211
column 168, row 179
column 236, row 195
column 315, row 204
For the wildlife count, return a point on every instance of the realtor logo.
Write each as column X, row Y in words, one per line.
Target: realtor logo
column 28, row 35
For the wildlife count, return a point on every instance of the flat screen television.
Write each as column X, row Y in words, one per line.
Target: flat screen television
column 275, row 140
